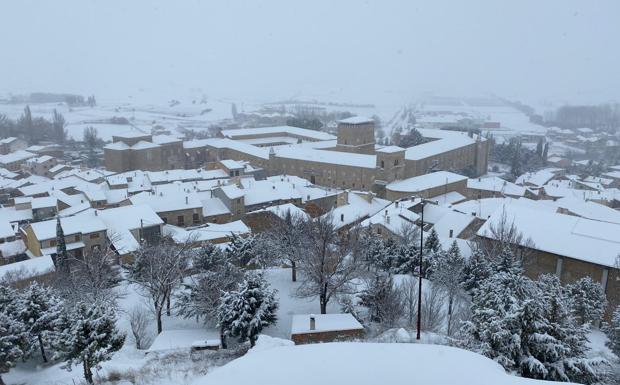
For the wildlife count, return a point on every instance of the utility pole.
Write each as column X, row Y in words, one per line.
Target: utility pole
column 420, row 273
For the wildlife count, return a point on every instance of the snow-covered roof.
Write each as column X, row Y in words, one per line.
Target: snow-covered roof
column 116, row 146
column 143, row 145
column 13, row 248
column 326, row 156
column 29, row 268
column 357, row 208
column 443, row 141
column 566, row 235
column 425, row 182
column 129, row 217
column 356, row 120
column 263, row 191
column 43, row 202
column 181, row 339
column 79, row 224
column 231, row 164
column 210, row 232
column 6, row 230
column 232, row 191
column 282, row 210
column 538, row 178
column 169, row 202
column 259, row 152
column 278, row 130
column 214, row 206
column 496, row 184
column 390, row 149
column 449, row 198
column 16, row 156
column 396, row 217
column 165, row 139
column 324, row 323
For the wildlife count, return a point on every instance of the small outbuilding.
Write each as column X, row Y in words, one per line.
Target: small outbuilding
column 311, row 328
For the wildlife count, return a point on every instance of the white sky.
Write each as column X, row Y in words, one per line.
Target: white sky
column 361, row 51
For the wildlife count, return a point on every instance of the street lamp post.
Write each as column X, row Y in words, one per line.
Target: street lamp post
column 420, row 273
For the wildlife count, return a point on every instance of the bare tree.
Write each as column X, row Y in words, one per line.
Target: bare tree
column 96, row 275
column 139, row 320
column 505, row 234
column 157, row 269
column 286, row 239
column 432, row 307
column 327, row 266
column 409, row 290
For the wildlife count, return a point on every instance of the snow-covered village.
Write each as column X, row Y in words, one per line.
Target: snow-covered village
column 296, row 193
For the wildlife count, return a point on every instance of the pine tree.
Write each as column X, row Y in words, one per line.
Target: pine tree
column 241, row 251
column 62, row 257
column 476, row 270
column 613, row 332
column 383, row 301
column 38, row 309
column 243, row 313
column 431, row 252
column 448, row 274
column 26, row 126
column 495, row 327
column 90, row 338
column 12, row 336
column 507, row 262
column 587, row 300
column 560, row 344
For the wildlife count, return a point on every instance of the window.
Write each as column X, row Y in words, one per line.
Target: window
column 181, row 220
column 53, row 242
column 395, row 162
column 382, row 164
column 77, row 237
column 94, row 236
column 195, row 218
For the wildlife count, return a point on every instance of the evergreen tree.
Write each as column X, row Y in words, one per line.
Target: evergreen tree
column 448, row 274
column 38, row 309
column 26, row 126
column 12, row 336
column 475, row 271
column 613, row 332
column 545, row 154
column 243, row 313
column 407, row 259
column 496, row 325
column 383, row 301
column 587, row 300
column 242, row 251
column 561, row 345
column 58, row 127
column 91, row 337
column 507, row 262
column 431, row 252
column 62, row 258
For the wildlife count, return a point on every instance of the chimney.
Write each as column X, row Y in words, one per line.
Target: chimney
column 451, row 233
column 387, row 219
column 186, row 200
column 341, row 217
column 312, row 322
column 396, row 204
column 96, row 212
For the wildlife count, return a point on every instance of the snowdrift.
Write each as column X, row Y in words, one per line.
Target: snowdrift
column 363, row 364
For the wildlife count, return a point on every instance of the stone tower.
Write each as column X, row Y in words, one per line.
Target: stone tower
column 356, row 134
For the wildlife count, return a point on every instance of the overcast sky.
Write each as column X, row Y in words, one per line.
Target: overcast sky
column 361, row 51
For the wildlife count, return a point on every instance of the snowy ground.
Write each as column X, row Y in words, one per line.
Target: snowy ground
column 179, row 367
